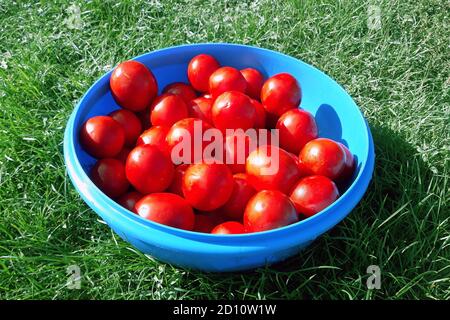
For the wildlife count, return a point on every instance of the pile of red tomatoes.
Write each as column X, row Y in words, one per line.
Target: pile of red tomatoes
column 138, row 167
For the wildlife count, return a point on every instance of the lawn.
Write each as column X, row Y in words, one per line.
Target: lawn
column 397, row 72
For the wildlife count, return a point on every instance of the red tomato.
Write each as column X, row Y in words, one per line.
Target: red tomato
column 149, row 169
column 204, row 223
column 266, row 173
column 186, row 129
column 123, row 155
column 233, row 110
column 130, row 123
column 133, row 85
column 229, row 227
column 177, row 182
column 296, row 128
column 280, row 93
column 200, row 108
column 349, row 166
column 129, row 200
column 313, row 194
column 226, row 79
column 168, row 110
column 155, row 136
column 109, row 176
column 207, row 186
column 181, row 89
column 323, row 157
column 236, row 150
column 242, row 192
column 144, row 116
column 269, row 209
column 200, row 69
column 167, row 208
column 102, row 137
column 255, row 81
column 260, row 121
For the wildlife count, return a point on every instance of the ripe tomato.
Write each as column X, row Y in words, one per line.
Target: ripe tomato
column 260, row 121
column 102, row 137
column 200, row 108
column 181, row 89
column 155, row 136
column 177, row 182
column 130, row 123
column 133, row 85
column 144, row 116
column 236, row 150
column 167, row 208
column 200, row 69
column 205, row 223
column 226, row 79
column 255, row 81
column 123, row 155
column 186, row 129
column 242, row 192
column 349, row 166
column 167, row 110
column 149, row 169
column 207, row 186
column 266, row 173
column 323, row 157
column 280, row 93
column 109, row 176
column 313, row 194
column 129, row 200
column 269, row 209
column 296, row 128
column 233, row 110
column 229, row 227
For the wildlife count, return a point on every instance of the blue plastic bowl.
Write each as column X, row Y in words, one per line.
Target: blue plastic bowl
column 337, row 115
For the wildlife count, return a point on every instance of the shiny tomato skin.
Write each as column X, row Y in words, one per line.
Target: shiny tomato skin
column 149, row 169
column 200, row 108
column 129, row 200
column 313, row 194
column 349, row 166
column 255, row 81
column 269, row 209
column 155, row 136
column 324, row 157
column 131, row 124
column 168, row 110
column 234, row 208
column 176, row 135
column 229, row 227
column 233, row 110
column 102, row 137
column 260, row 122
column 185, row 91
column 280, row 93
column 226, row 79
column 133, row 85
column 236, row 150
column 207, row 186
column 123, row 155
column 200, row 69
column 296, row 128
column 177, row 181
column 282, row 176
column 109, row 176
column 168, row 209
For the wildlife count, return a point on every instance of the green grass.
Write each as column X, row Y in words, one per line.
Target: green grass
column 398, row 75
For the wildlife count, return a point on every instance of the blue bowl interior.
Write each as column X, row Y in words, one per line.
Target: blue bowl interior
column 336, row 114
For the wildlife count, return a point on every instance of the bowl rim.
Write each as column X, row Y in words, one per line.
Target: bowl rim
column 78, row 175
